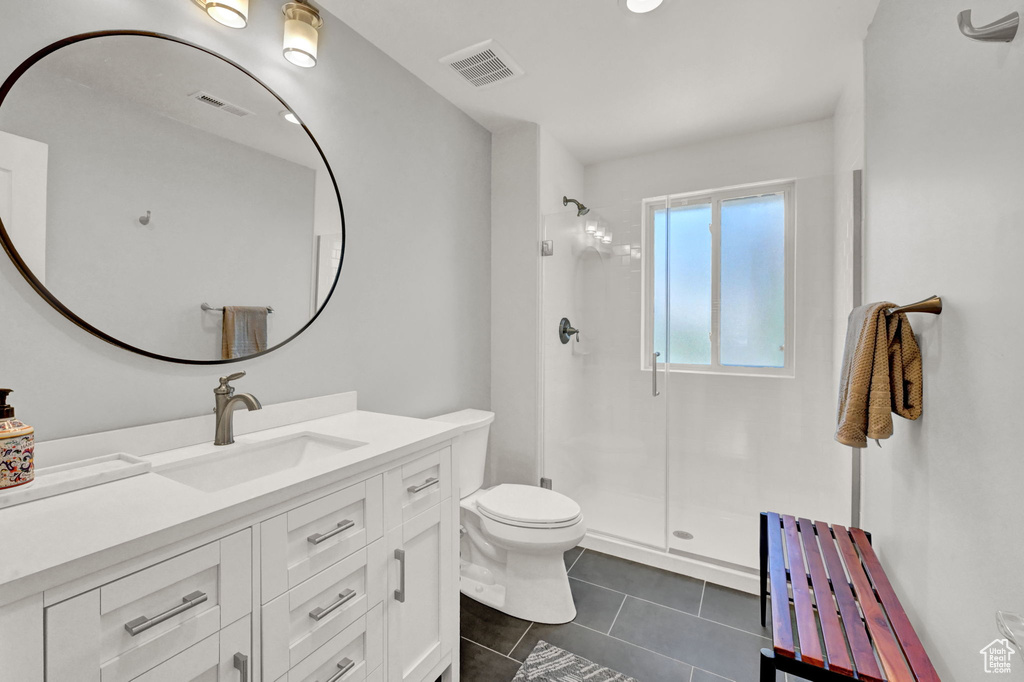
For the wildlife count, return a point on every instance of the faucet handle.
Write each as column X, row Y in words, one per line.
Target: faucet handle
column 224, row 388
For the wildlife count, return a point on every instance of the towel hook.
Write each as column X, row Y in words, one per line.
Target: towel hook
column 932, row 304
column 1002, row 31
column 144, row 219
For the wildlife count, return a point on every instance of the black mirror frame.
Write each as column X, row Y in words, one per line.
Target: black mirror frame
column 41, row 289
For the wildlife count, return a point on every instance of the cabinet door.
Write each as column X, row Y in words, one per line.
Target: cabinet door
column 116, row 632
column 225, row 656
column 420, row 580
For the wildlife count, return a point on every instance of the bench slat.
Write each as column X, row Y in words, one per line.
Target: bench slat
column 782, row 627
column 920, row 664
column 860, row 645
column 889, row 651
column 806, row 626
column 835, row 642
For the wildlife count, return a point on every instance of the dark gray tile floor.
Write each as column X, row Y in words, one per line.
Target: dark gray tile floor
column 644, row 622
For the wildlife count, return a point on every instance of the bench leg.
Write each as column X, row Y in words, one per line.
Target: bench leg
column 767, row 665
column 764, row 567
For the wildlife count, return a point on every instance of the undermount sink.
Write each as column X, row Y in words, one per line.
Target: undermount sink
column 240, row 463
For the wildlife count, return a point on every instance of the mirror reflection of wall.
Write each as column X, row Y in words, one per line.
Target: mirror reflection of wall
column 239, row 199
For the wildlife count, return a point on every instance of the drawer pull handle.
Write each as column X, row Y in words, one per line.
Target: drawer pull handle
column 344, row 666
column 322, row 612
column 242, row 666
column 400, row 592
column 423, row 486
column 141, row 624
column 317, row 538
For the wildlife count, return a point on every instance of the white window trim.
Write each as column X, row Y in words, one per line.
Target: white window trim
column 715, row 198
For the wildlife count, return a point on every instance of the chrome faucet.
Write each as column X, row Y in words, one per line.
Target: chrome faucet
column 226, row 399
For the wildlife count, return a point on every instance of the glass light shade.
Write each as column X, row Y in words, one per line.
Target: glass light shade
column 642, row 6
column 607, row 238
column 300, row 34
column 599, row 232
column 230, row 13
column 591, row 226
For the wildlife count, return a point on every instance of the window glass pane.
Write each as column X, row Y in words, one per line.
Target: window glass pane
column 689, row 284
column 753, row 315
column 660, row 259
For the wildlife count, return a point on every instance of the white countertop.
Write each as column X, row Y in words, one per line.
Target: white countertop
column 54, row 540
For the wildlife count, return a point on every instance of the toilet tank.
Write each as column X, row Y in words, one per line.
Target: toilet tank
column 470, row 446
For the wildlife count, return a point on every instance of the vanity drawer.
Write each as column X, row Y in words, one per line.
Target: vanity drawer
column 211, row 660
column 419, row 485
column 304, row 541
column 306, row 617
column 359, row 647
column 169, row 607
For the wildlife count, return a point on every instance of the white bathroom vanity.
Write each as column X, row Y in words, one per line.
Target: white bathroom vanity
column 321, row 546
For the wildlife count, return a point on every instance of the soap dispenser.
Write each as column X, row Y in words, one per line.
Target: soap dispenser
column 17, row 445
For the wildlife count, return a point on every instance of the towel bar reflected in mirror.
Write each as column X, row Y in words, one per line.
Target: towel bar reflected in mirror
column 207, row 306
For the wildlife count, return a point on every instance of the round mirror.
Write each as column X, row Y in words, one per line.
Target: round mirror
column 163, row 199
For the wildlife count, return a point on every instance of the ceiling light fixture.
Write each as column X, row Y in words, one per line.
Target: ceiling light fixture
column 230, row 13
column 642, row 6
column 290, row 117
column 300, row 33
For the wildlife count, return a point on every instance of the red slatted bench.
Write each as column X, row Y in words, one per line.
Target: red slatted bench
column 849, row 623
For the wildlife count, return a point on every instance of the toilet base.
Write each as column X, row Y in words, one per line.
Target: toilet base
column 536, row 588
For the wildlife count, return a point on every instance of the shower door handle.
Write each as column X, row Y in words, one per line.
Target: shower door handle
column 654, row 374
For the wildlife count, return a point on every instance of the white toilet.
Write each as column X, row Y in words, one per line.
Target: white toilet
column 513, row 536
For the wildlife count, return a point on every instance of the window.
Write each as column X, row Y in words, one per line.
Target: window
column 718, row 273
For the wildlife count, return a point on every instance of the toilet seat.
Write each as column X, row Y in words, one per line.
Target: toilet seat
column 528, row 506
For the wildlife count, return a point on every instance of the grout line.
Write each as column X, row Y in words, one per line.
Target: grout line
column 692, row 668
column 600, row 587
column 490, row 649
column 703, row 589
column 619, row 639
column 520, row 640
column 694, row 615
column 617, row 614
column 575, row 560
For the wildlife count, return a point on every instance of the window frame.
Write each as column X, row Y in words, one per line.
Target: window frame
column 715, row 198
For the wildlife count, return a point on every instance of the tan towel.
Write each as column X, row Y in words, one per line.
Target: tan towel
column 244, row 332
column 881, row 375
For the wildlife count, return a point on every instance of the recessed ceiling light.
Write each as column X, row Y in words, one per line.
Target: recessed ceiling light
column 290, row 117
column 642, row 6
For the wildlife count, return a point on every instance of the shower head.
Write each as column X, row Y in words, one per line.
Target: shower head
column 581, row 210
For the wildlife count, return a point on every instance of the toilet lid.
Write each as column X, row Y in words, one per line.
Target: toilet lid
column 527, row 504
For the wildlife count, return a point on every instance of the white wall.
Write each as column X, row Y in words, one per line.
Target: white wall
column 770, row 439
column 943, row 176
column 848, row 125
column 408, row 327
column 531, row 171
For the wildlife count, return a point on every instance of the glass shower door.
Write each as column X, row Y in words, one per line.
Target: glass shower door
column 604, row 414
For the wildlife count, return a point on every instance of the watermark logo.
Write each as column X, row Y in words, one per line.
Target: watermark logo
column 997, row 656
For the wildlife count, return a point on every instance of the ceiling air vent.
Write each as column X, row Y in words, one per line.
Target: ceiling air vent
column 218, row 103
column 484, row 64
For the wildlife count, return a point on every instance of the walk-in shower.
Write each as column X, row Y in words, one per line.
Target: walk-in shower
column 670, row 467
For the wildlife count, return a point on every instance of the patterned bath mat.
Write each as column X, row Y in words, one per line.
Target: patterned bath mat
column 548, row 663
